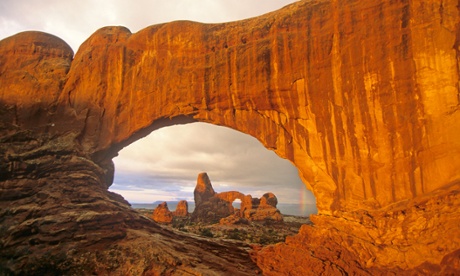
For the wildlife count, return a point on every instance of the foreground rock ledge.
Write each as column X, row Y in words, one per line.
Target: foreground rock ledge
column 362, row 96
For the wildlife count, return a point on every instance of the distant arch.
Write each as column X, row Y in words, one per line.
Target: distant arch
column 237, row 203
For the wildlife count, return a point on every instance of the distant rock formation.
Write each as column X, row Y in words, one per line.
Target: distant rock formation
column 268, row 199
column 203, row 190
column 213, row 207
column 181, row 209
column 255, row 209
column 162, row 214
column 212, row 210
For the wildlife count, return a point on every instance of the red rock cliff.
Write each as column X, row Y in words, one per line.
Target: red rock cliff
column 362, row 96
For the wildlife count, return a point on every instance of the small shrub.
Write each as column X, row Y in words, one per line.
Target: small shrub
column 206, row 232
column 264, row 239
column 235, row 234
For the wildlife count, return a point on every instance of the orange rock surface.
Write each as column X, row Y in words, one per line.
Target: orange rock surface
column 162, row 214
column 255, row 209
column 181, row 209
column 361, row 96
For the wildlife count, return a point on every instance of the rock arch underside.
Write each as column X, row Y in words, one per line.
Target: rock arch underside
column 361, row 96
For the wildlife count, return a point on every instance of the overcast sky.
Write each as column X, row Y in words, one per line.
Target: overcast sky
column 164, row 165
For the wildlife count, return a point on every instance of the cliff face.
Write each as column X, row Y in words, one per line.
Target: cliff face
column 362, row 96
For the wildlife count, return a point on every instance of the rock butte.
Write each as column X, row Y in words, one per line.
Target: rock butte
column 211, row 207
column 362, row 96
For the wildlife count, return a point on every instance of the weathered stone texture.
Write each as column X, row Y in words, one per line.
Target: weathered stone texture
column 203, row 189
column 362, row 96
column 181, row 209
column 162, row 214
column 212, row 207
column 259, row 209
column 421, row 240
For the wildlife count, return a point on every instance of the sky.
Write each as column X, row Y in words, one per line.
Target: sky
column 165, row 164
column 177, row 154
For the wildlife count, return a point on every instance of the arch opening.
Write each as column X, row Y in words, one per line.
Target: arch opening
column 163, row 167
column 236, row 204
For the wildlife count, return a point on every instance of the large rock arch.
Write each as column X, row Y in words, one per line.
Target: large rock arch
column 361, row 97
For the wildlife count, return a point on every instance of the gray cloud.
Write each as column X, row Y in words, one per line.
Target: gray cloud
column 173, row 157
column 75, row 21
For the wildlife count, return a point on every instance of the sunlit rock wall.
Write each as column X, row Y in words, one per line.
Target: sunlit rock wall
column 362, row 96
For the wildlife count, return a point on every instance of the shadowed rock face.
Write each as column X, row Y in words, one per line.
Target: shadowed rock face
column 362, row 96
column 209, row 205
column 203, row 189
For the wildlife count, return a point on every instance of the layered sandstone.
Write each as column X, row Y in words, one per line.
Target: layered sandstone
column 203, row 189
column 421, row 239
column 181, row 209
column 162, row 214
column 212, row 207
column 362, row 96
column 255, row 209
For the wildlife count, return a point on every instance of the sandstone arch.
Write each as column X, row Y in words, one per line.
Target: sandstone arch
column 361, row 97
column 230, row 196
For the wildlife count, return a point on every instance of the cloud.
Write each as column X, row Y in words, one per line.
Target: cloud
column 75, row 21
column 171, row 158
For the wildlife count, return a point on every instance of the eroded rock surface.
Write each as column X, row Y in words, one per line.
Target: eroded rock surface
column 362, row 96
column 386, row 237
column 162, row 214
column 213, row 207
column 255, row 209
column 181, row 209
column 203, row 189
